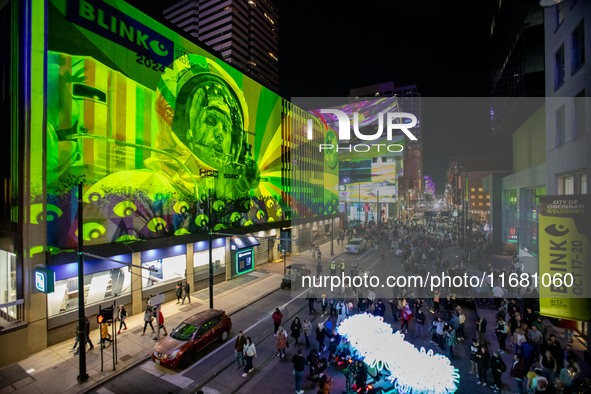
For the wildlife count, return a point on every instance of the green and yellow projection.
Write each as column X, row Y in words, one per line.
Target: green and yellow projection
column 167, row 139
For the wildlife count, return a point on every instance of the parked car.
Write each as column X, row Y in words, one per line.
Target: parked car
column 191, row 336
column 355, row 245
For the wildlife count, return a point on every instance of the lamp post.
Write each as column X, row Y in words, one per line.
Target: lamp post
column 209, row 184
column 82, row 375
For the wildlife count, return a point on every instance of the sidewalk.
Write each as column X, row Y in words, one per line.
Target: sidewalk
column 55, row 369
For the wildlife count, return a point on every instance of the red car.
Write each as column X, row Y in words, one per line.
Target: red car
column 192, row 335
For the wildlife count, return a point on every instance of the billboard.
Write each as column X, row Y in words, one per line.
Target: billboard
column 166, row 138
column 564, row 252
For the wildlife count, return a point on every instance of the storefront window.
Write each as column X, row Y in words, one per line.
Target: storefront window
column 98, row 287
column 7, row 277
column 201, row 261
column 168, row 270
column 529, row 233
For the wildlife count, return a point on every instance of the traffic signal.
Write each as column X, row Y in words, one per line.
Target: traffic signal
column 105, row 315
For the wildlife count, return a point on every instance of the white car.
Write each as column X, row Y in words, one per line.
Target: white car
column 355, row 245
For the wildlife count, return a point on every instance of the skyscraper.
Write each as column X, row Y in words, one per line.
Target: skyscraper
column 244, row 32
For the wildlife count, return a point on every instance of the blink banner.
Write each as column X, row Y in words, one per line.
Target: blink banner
column 564, row 249
column 167, row 139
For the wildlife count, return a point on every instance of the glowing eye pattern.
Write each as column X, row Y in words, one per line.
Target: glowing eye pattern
column 411, row 369
column 124, row 208
column 157, row 224
column 180, row 207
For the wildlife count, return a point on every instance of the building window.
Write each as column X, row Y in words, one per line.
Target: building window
column 479, row 189
column 559, row 68
column 572, row 184
column 7, row 277
column 201, row 261
column 559, row 15
column 472, row 189
column 578, row 48
column 560, row 126
column 98, row 287
column 480, row 204
column 473, row 197
column 579, row 118
column 488, row 204
column 480, row 196
column 168, row 270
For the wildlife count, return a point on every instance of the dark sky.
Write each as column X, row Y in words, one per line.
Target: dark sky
column 330, row 46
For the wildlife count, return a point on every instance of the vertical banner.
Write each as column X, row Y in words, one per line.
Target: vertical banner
column 564, row 243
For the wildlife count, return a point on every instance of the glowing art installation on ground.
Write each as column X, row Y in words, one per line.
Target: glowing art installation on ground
column 411, row 370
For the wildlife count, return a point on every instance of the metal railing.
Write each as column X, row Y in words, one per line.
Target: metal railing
column 12, row 314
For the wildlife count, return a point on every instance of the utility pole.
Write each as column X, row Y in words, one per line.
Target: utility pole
column 332, row 236
column 210, row 222
column 82, row 375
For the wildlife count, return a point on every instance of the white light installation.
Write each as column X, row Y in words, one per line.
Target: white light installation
column 411, row 370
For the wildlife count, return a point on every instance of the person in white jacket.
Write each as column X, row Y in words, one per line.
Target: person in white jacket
column 250, row 352
column 342, row 311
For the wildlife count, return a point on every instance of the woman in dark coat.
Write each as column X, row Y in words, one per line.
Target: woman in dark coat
column 179, row 292
column 296, row 329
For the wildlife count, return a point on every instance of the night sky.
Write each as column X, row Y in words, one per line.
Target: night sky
column 330, row 46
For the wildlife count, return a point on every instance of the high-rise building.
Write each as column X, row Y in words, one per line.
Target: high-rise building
column 244, row 32
column 411, row 186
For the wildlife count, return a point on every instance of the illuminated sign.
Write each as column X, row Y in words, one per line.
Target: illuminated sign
column 244, row 261
column 44, row 280
column 513, row 235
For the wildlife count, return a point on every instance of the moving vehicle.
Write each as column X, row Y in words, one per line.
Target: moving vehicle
column 355, row 245
column 192, row 335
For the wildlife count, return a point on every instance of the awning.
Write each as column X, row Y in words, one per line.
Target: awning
column 237, row 243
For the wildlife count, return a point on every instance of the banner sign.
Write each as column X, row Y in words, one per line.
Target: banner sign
column 564, row 242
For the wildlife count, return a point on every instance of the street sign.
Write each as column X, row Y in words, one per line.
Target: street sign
column 157, row 300
column 44, row 280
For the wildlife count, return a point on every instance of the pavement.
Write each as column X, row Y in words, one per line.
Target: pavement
column 37, row 373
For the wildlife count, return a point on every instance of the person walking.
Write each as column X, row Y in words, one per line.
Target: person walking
column 186, row 292
column 439, row 332
column 105, row 334
column 518, row 371
column 277, row 317
column 299, row 363
column 311, row 298
column 481, row 330
column 148, row 317
column 501, row 332
column 462, row 319
column 323, row 304
column 342, row 311
column 296, row 329
column 406, row 316
column 86, row 336
column 483, row 361
column 474, row 350
column 179, row 291
column 250, row 352
column 320, row 335
column 281, row 342
column 239, row 350
column 333, row 268
column 307, row 327
column 318, row 269
column 450, row 340
column 497, row 367
column 122, row 317
column 161, row 323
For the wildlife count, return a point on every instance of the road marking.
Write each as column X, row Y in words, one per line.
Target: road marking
column 104, row 391
column 262, row 319
column 178, row 380
column 369, row 250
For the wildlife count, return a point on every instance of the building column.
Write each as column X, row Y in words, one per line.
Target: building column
column 295, row 232
column 229, row 259
column 190, row 268
column 137, row 304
